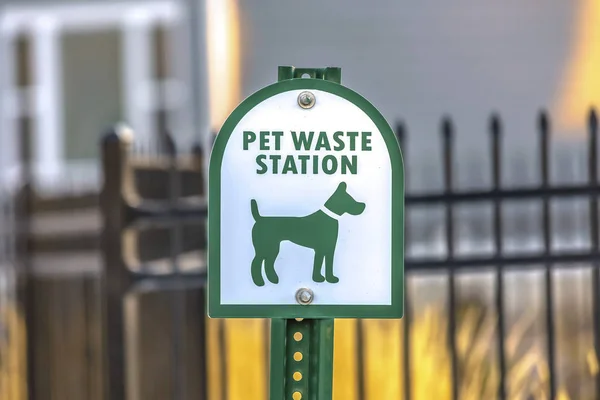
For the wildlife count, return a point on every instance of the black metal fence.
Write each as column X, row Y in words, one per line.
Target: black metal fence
column 153, row 240
column 124, row 210
column 499, row 261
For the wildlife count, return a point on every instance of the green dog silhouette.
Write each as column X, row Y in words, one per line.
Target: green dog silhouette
column 317, row 231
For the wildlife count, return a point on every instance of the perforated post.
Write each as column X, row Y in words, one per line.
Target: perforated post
column 301, row 359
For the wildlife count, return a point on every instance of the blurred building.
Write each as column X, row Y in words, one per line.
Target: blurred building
column 72, row 69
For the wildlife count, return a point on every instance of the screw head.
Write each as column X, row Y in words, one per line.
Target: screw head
column 306, row 99
column 304, row 296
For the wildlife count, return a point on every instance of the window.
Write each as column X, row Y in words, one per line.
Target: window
column 91, row 89
column 76, row 70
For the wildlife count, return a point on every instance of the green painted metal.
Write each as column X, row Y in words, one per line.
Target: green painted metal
column 332, row 74
column 327, row 80
column 301, row 359
column 323, row 344
column 323, row 239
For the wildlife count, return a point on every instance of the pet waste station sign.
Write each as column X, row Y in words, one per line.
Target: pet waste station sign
column 306, row 220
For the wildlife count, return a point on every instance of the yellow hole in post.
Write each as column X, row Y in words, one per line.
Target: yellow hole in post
column 299, row 319
column 297, row 396
column 297, row 336
column 297, row 356
column 297, row 376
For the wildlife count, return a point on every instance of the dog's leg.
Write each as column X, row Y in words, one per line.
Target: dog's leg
column 330, row 277
column 270, row 269
column 256, row 271
column 270, row 252
column 318, row 263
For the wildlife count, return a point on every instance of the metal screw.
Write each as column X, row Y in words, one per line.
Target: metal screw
column 306, row 100
column 304, row 296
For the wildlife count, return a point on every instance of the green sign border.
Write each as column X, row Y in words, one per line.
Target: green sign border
column 218, row 310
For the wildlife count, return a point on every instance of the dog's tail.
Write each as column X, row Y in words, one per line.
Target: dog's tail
column 254, row 208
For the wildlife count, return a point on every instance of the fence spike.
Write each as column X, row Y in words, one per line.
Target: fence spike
column 400, row 132
column 110, row 135
column 544, row 131
column 544, row 122
column 197, row 149
column 495, row 124
column 592, row 145
column 447, row 127
column 213, row 138
column 593, row 121
column 447, row 133
column 169, row 143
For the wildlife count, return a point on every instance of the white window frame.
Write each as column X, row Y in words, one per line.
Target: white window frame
column 45, row 25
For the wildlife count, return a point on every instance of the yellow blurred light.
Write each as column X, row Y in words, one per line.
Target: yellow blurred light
column 592, row 362
column 580, row 86
column 223, row 35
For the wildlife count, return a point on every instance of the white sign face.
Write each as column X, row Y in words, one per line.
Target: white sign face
column 306, row 201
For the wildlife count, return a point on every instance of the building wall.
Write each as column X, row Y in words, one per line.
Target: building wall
column 418, row 61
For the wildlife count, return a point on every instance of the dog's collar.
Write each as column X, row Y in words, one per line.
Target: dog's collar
column 330, row 213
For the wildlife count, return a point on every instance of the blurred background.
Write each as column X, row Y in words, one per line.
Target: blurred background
column 108, row 110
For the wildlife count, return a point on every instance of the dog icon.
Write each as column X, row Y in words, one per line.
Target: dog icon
column 317, row 231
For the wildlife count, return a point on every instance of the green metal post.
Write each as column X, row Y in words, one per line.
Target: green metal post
column 301, row 359
column 302, row 349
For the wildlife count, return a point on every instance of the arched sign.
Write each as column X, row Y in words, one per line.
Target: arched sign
column 306, row 207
